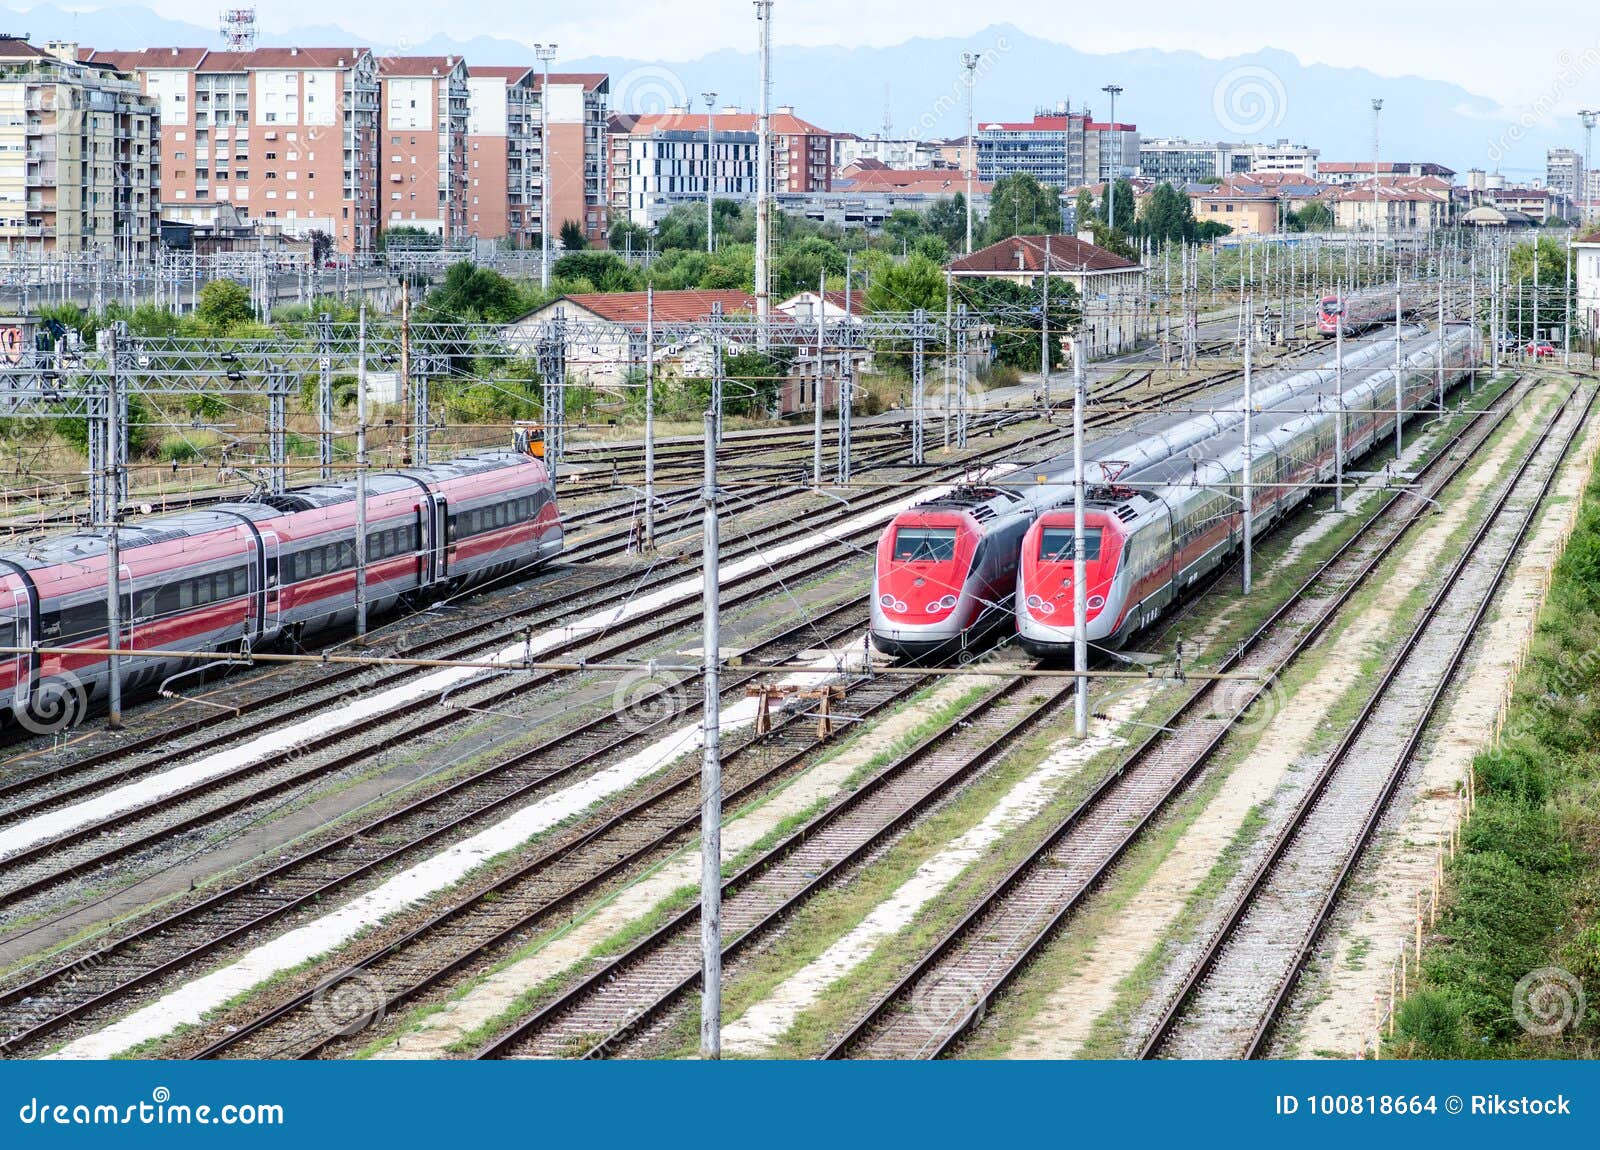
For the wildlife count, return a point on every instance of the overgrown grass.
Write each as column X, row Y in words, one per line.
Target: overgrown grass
column 1524, row 892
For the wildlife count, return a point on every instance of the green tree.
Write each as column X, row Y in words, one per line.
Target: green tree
column 1083, row 208
column 473, row 293
column 913, row 283
column 1021, row 205
column 603, row 271
column 1314, row 216
column 572, row 237
column 947, row 219
column 1167, row 216
column 1122, row 190
column 625, row 235
column 224, row 305
column 403, row 237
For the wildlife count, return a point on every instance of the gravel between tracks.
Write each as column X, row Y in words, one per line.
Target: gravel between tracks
column 1335, row 1008
column 437, row 1032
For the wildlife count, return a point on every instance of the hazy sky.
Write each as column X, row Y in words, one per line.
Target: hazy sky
column 1495, row 49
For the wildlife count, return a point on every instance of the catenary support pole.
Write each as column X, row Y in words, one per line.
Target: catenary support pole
column 114, row 431
column 1247, row 511
column 1338, row 391
column 649, row 541
column 361, row 471
column 711, row 775
column 816, row 429
column 1080, row 593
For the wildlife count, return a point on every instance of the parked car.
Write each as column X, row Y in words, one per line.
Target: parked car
column 1540, row 349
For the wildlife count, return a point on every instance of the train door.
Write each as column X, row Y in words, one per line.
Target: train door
column 267, row 600
column 15, row 631
column 442, row 544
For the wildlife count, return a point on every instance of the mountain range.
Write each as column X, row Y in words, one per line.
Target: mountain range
column 918, row 88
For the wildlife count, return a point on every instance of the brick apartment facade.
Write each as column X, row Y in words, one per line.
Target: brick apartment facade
column 288, row 136
column 423, row 173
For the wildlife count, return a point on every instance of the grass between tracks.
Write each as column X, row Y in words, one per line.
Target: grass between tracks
column 1521, row 917
column 1065, row 959
column 534, row 997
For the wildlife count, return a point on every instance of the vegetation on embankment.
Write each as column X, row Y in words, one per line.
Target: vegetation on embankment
column 1514, row 969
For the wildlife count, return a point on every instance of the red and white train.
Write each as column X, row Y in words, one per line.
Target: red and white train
column 984, row 559
column 236, row 575
column 1363, row 310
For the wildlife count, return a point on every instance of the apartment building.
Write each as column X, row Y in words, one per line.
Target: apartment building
column 662, row 160
column 502, row 153
column 1403, row 204
column 287, row 136
column 1060, row 148
column 850, row 149
column 1360, row 171
column 79, row 161
column 423, row 174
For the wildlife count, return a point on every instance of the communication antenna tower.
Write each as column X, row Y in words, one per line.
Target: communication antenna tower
column 239, row 29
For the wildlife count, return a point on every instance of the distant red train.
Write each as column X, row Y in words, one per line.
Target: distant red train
column 1363, row 310
column 237, row 575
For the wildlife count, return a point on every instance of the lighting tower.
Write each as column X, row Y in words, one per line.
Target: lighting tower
column 1588, row 117
column 545, row 53
column 1377, row 108
column 1112, row 90
column 711, row 166
column 764, row 173
column 969, row 61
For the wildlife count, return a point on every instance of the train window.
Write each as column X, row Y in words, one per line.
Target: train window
column 924, row 544
column 313, row 561
column 241, row 581
column 83, row 621
column 1055, row 544
column 8, row 633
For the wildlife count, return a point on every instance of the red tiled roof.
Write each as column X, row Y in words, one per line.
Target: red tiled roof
column 205, row 60
column 510, row 73
column 16, row 48
column 669, row 306
column 589, row 80
column 1067, row 254
column 145, row 59
column 783, row 123
column 1592, row 238
column 417, row 65
column 920, row 180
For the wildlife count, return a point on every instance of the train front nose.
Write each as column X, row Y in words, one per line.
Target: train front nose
column 1046, row 610
column 918, row 603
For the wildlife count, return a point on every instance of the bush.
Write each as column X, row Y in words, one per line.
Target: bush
column 179, row 450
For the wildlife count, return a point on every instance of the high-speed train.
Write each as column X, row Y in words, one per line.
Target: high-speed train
column 945, row 575
column 1148, row 539
column 1363, row 310
column 237, row 575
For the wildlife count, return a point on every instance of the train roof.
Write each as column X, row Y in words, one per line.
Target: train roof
column 83, row 544
column 979, row 501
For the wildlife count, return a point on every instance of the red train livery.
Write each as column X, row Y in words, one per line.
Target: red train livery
column 233, row 576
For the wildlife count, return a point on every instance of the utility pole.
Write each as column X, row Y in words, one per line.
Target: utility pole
column 114, row 431
column 1338, row 391
column 816, row 440
column 969, row 61
column 1112, row 90
column 711, row 168
column 361, row 472
column 1566, row 326
column 1080, row 593
column 1399, row 381
column 1044, row 330
column 711, row 770
column 763, row 173
column 649, row 417
column 847, row 379
column 545, row 53
column 1248, row 511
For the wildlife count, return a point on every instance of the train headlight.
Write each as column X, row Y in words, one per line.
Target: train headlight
column 886, row 601
column 1096, row 602
column 932, row 608
column 1034, row 602
column 948, row 602
column 900, row 607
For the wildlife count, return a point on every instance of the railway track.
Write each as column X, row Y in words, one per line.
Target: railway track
column 618, row 1001
column 1230, row 1000
column 159, row 966
column 927, row 1011
column 90, row 986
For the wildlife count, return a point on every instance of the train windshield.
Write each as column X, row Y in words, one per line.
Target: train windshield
column 924, row 544
column 1055, row 544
